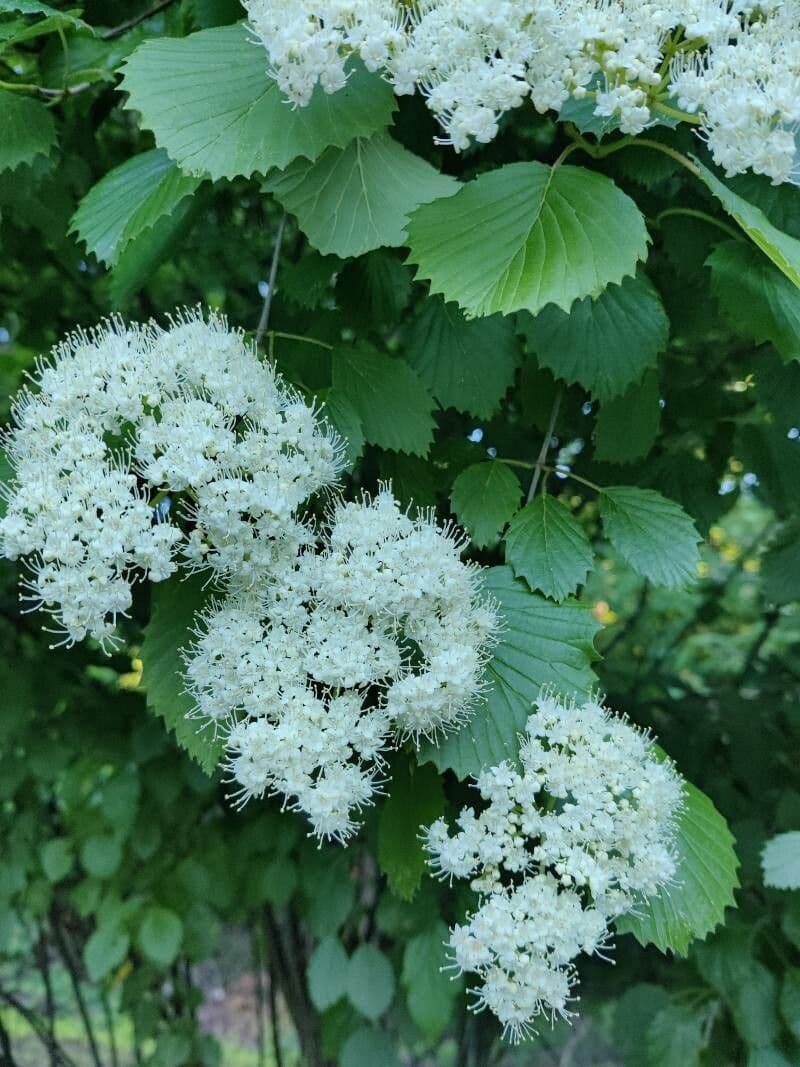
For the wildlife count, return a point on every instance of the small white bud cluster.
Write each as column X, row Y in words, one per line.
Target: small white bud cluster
column 733, row 63
column 117, row 423
column 381, row 634
column 561, row 848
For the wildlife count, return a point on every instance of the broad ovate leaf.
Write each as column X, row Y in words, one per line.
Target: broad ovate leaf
column 212, row 105
column 358, row 198
column 780, row 861
column 484, row 498
column 527, row 235
column 27, row 130
column 704, row 882
column 548, row 547
column 605, row 344
column 783, row 250
column 130, row 200
column 653, row 535
column 540, row 643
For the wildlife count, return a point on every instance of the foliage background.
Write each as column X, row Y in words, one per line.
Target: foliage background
column 125, row 878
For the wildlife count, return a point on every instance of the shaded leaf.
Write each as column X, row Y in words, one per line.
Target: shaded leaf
column 160, row 936
column 327, row 973
column 484, row 498
column 627, row 426
column 27, row 130
column 416, row 800
column 370, row 981
column 547, row 546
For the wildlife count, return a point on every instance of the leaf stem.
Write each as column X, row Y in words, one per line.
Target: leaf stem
column 547, row 469
column 263, row 322
column 298, row 337
column 117, row 31
column 538, row 466
column 695, row 214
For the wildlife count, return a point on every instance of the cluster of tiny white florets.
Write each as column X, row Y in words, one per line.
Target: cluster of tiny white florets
column 379, row 634
column 735, row 64
column 574, row 839
column 117, row 423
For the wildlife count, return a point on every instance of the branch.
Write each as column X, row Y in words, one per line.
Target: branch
column 117, row 31
column 538, row 466
column 39, row 1028
column 263, row 322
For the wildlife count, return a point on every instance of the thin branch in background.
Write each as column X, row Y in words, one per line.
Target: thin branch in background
column 273, row 1013
column 65, row 951
column 109, row 1021
column 39, row 1027
column 771, row 620
column 117, row 31
column 263, row 322
column 43, row 965
column 257, row 950
column 6, row 1052
column 548, row 437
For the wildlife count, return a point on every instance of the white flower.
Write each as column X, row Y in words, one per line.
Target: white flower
column 565, row 843
column 125, row 417
column 378, row 634
column 734, row 63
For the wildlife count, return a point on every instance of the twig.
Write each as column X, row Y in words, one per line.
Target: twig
column 256, row 947
column 117, row 31
column 43, row 964
column 109, row 1021
column 537, row 470
column 6, row 1052
column 273, row 1015
column 771, row 620
column 65, row 952
column 263, row 322
column 38, row 1027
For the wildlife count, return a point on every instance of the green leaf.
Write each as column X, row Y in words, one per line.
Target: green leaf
column 357, row 198
column 369, row 1048
column 160, row 936
column 56, row 858
column 429, row 991
column 790, row 1001
column 704, row 883
column 416, row 799
column 484, row 498
column 627, row 427
column 106, row 949
column 605, row 344
column 783, row 250
column 780, row 861
column 27, row 130
column 466, row 365
column 780, row 566
column 758, row 300
column 101, row 855
column 541, row 643
column 345, row 420
column 211, row 104
column 675, row 1038
column 327, row 973
column 547, row 546
column 395, row 409
column 527, row 235
column 128, row 201
column 174, row 606
column 370, row 981
column 653, row 535
column 374, row 290
column 53, row 20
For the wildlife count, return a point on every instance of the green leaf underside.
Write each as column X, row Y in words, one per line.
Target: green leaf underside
column 605, row 344
column 211, row 104
column 160, row 936
column 547, row 546
column 484, row 498
column 174, row 605
column 370, row 981
column 27, row 130
column 755, row 297
column 541, row 643
column 783, row 250
column 527, row 235
column 358, row 198
column 429, row 988
column 327, row 973
column 780, row 861
column 653, row 535
column 704, row 885
column 395, row 409
column 467, row 365
column 415, row 800
column 627, row 426
column 130, row 200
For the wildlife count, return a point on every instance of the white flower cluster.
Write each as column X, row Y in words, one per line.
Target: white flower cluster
column 735, row 64
column 380, row 634
column 118, row 421
column 561, row 848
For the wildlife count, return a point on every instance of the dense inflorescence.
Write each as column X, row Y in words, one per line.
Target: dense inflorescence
column 733, row 67
column 572, row 839
column 121, row 421
column 379, row 634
